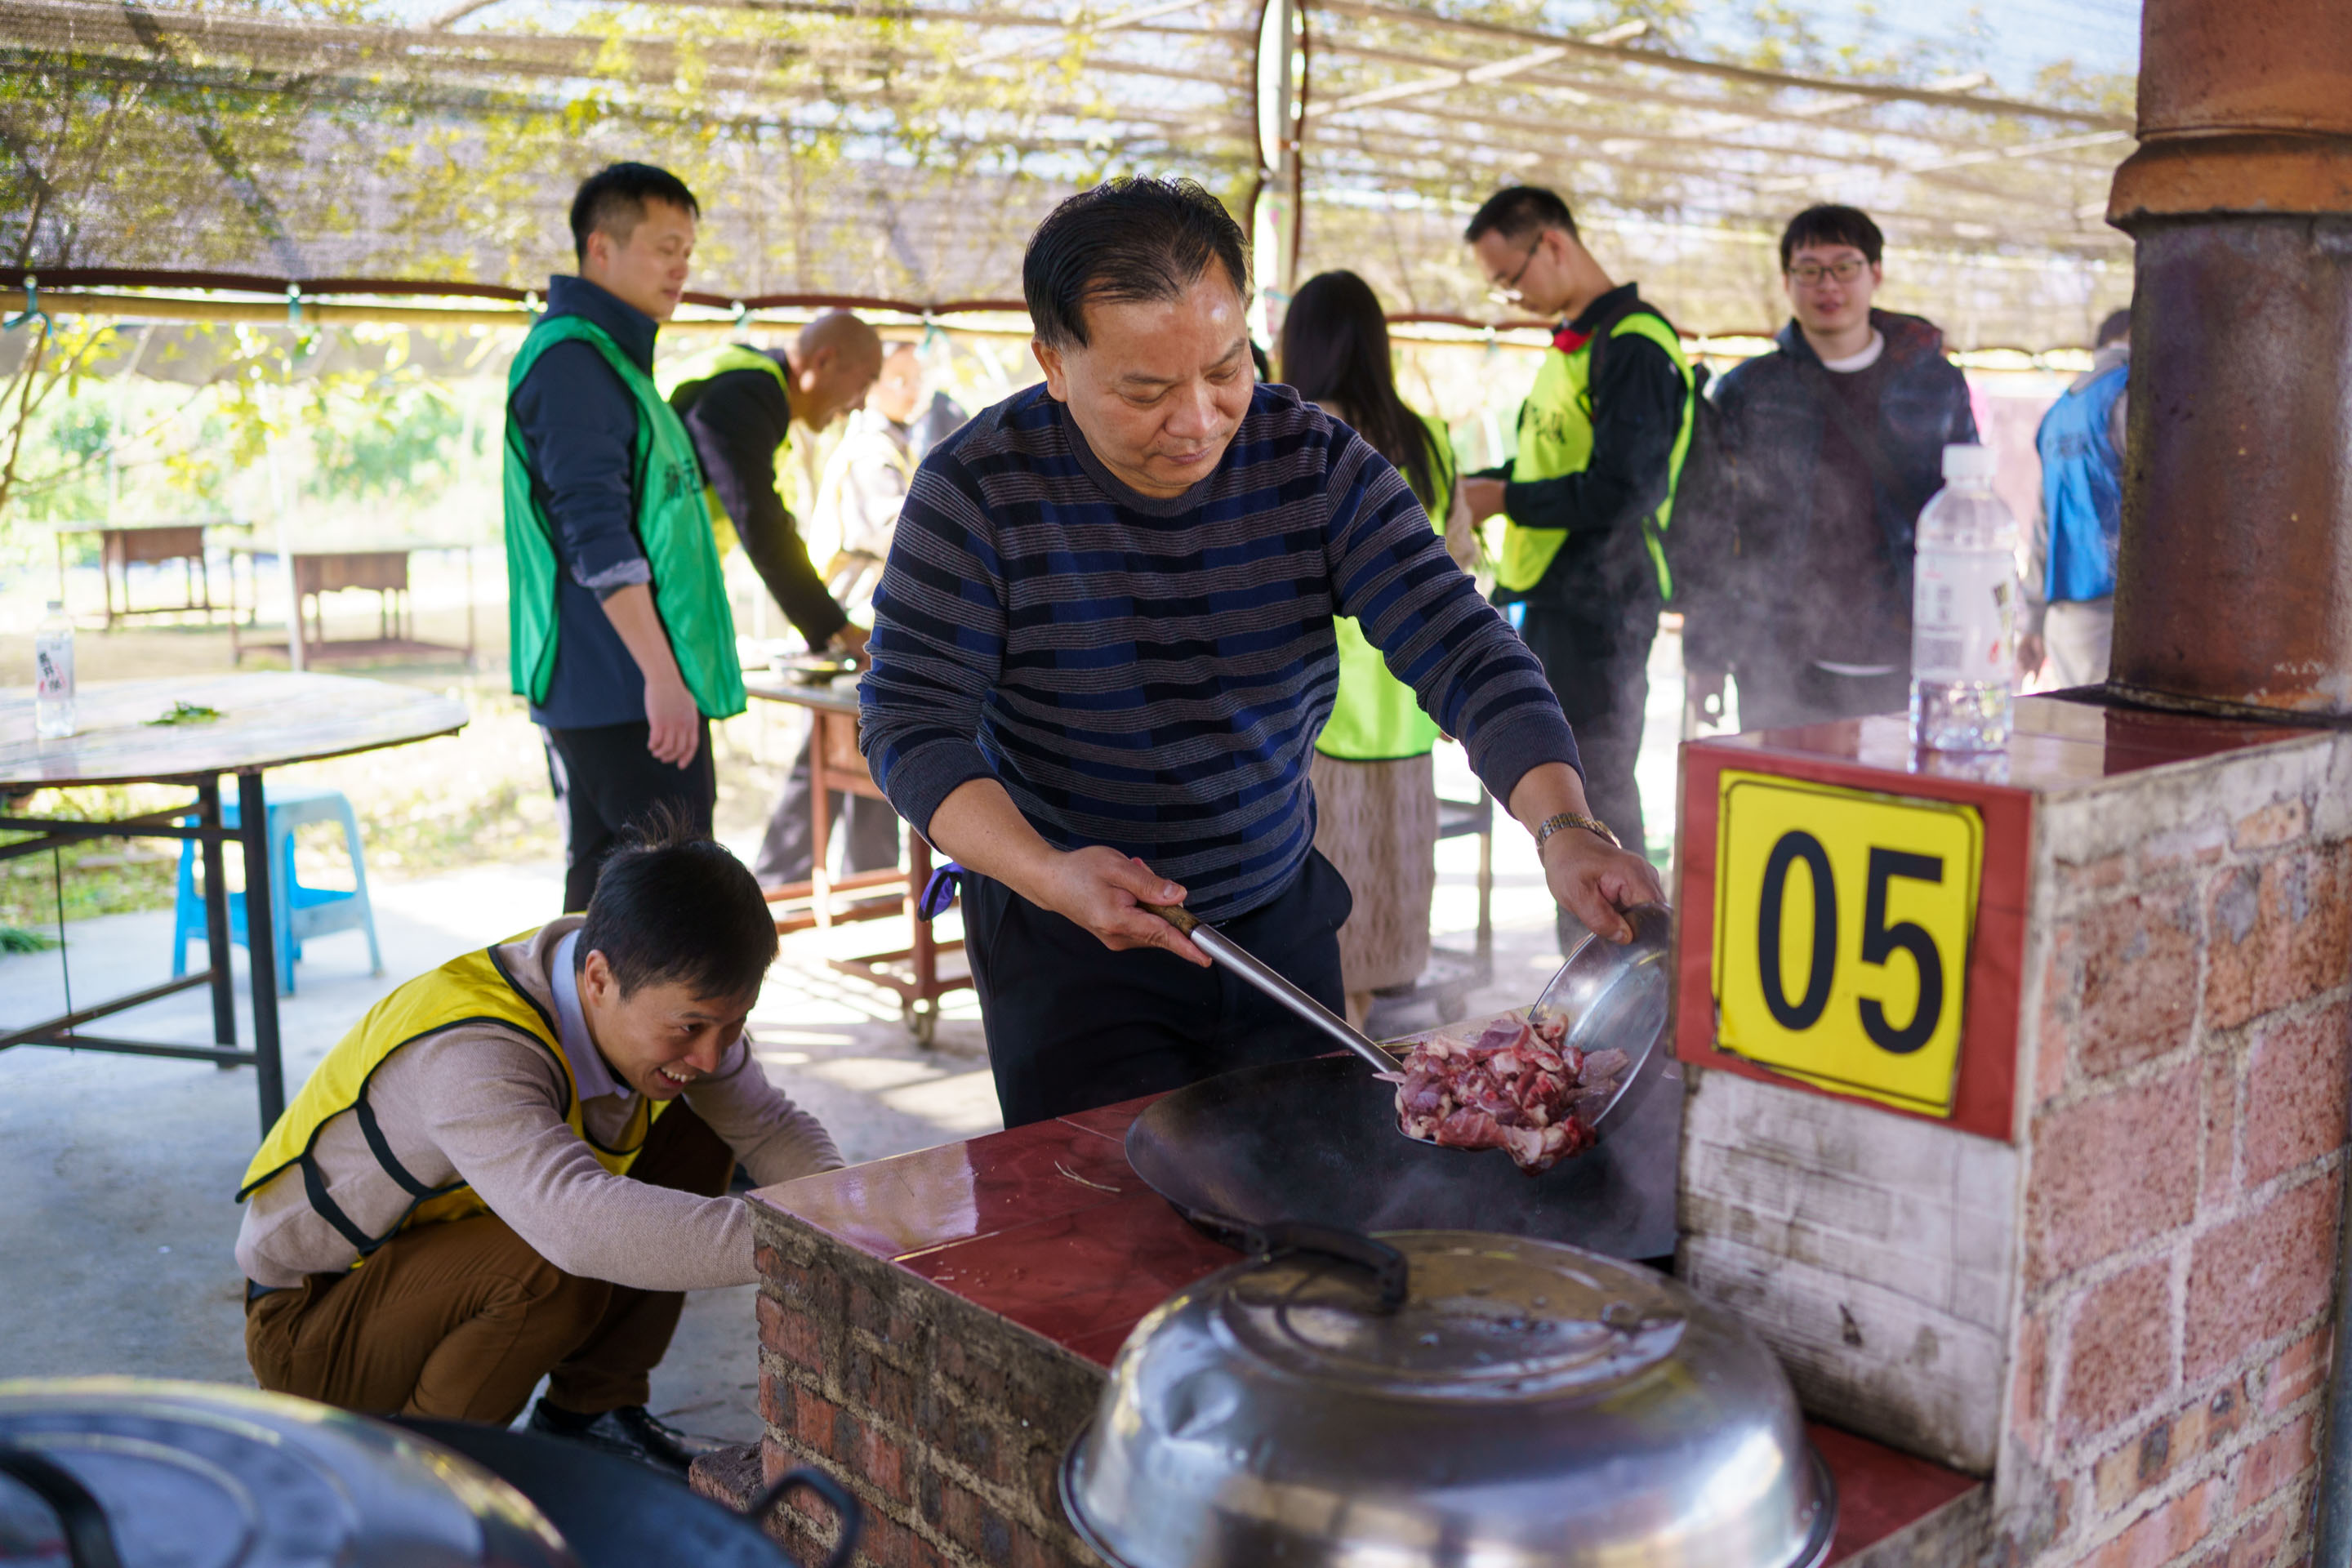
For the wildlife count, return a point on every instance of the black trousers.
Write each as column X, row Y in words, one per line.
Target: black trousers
column 1778, row 694
column 1609, row 685
column 605, row 781
column 788, row 849
column 1071, row 1024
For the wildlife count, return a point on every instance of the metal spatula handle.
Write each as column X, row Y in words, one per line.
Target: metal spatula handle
column 1234, row 956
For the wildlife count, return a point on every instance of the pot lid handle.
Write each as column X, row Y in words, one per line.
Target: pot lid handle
column 90, row 1541
column 845, row 1509
column 1391, row 1275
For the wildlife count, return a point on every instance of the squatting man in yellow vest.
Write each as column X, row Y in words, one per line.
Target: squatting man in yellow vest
column 1586, row 501
column 513, row 1166
column 622, row 637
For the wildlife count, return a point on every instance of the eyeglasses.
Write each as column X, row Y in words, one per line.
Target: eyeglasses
column 1506, row 292
column 1810, row 273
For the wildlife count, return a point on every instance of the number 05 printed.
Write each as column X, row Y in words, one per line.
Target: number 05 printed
column 1842, row 921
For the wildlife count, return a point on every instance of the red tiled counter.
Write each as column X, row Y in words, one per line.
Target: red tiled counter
column 934, row 1330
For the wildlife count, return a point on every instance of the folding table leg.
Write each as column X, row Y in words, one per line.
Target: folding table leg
column 217, row 938
column 261, row 944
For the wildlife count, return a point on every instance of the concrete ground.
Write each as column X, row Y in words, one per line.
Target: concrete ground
column 119, row 1224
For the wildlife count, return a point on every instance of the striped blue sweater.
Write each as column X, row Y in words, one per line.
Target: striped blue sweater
column 1152, row 674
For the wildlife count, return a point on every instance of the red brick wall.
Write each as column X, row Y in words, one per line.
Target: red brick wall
column 2189, row 1046
column 947, row 1422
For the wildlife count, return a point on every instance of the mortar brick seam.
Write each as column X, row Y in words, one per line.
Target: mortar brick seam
column 909, row 1515
column 2070, row 893
column 2247, row 1200
column 2077, row 1463
column 2086, row 1277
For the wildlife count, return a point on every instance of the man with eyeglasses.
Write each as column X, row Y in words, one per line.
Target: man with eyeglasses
column 1587, row 499
column 1835, row 441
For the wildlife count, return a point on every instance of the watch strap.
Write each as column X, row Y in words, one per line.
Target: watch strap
column 1555, row 823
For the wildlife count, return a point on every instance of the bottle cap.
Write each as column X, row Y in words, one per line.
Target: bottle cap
column 1966, row 460
column 56, row 604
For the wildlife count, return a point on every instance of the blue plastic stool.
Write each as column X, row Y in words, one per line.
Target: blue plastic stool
column 297, row 912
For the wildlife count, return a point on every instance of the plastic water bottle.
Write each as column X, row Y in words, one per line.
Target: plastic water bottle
column 53, row 675
column 1963, row 610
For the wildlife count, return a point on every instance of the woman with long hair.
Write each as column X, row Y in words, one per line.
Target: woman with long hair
column 1375, row 783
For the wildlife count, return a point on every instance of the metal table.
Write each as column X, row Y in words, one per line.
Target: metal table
column 924, row 970
column 267, row 721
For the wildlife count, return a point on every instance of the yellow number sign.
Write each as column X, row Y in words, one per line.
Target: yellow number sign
column 1842, row 927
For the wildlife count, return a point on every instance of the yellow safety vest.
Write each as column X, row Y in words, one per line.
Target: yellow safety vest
column 701, row 368
column 1556, row 438
column 1375, row 716
column 474, row 988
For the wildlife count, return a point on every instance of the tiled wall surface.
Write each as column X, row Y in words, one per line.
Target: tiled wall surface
column 1873, row 1253
column 2186, row 1055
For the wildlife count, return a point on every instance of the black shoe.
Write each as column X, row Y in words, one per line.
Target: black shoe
column 629, row 1431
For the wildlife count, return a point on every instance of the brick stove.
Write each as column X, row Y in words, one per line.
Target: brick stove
column 2084, row 1317
column 934, row 1328
column 2104, row 1274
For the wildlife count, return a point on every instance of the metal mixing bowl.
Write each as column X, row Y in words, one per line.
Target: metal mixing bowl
column 1527, row 1403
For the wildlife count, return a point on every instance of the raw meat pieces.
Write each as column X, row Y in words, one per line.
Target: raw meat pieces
column 1517, row 1087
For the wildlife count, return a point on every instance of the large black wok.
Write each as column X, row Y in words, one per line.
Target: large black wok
column 1316, row 1140
column 615, row 1513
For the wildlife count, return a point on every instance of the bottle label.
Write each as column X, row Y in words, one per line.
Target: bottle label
column 53, row 672
column 1963, row 601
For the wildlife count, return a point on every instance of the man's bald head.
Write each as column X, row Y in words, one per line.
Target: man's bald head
column 834, row 363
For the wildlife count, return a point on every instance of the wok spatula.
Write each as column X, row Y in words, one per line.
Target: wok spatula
column 1242, row 961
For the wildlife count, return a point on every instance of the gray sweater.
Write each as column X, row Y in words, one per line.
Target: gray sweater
column 484, row 1103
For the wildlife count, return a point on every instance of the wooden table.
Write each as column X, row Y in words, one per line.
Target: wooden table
column 121, row 548
column 383, row 573
column 267, row 721
column 925, row 970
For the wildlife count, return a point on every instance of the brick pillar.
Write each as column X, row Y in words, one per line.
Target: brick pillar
column 2185, row 1071
column 2122, row 1310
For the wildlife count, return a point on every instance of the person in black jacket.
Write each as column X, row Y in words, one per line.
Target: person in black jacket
column 1836, row 440
column 740, row 407
column 741, row 417
column 1587, row 499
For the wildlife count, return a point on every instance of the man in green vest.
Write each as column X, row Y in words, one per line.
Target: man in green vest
column 621, row 638
column 1586, row 503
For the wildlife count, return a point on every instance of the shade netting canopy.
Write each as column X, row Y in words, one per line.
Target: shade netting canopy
column 903, row 152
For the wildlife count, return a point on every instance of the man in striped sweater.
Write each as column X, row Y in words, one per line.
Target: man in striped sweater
column 1103, row 649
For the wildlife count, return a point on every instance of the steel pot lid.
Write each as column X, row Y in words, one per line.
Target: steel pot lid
column 195, row 1475
column 1524, row 1403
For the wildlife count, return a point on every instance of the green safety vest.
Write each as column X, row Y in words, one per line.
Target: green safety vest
column 673, row 530
column 1556, row 438
column 701, row 368
column 1375, row 716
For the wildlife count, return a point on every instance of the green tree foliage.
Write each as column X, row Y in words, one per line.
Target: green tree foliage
column 403, row 444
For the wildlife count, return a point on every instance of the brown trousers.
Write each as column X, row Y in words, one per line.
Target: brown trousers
column 462, row 1320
